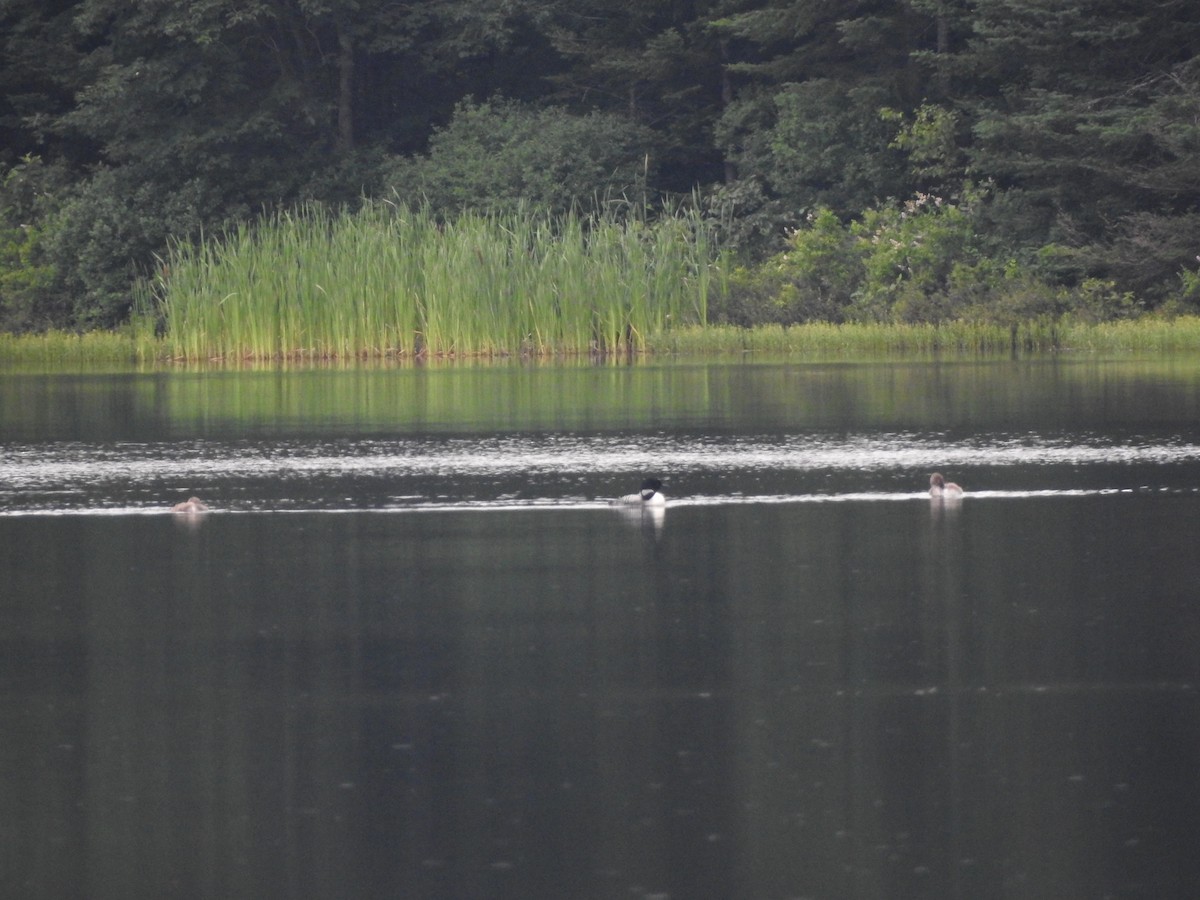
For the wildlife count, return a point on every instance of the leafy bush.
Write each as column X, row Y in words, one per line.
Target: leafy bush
column 1186, row 300
column 810, row 281
column 503, row 156
column 109, row 228
column 914, row 263
column 814, row 143
column 29, row 195
column 921, row 262
column 909, row 254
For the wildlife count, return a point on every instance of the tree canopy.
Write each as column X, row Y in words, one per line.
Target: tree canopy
column 1066, row 129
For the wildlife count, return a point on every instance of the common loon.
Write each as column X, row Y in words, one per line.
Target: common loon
column 649, row 495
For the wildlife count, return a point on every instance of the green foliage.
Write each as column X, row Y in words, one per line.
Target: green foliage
column 816, row 144
column 810, row 281
column 29, row 196
column 107, row 234
column 911, row 255
column 932, row 140
column 1187, row 300
column 902, row 263
column 658, row 65
column 188, row 115
column 828, row 146
column 1142, row 253
column 806, row 125
column 918, row 262
column 504, row 156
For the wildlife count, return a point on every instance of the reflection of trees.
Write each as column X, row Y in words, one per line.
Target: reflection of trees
column 763, row 701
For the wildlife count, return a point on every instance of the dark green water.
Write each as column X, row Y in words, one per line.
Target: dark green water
column 412, row 652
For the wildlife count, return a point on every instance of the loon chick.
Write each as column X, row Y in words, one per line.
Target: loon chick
column 940, row 487
column 191, row 505
column 649, row 495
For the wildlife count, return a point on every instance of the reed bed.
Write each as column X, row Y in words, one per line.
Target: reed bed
column 1145, row 335
column 862, row 339
column 865, row 339
column 394, row 280
column 138, row 344
column 52, row 348
column 398, row 329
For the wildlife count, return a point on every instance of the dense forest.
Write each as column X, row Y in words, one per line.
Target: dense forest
column 881, row 160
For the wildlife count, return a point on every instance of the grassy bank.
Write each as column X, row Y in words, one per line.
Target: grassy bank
column 52, row 348
column 864, row 341
column 1147, row 335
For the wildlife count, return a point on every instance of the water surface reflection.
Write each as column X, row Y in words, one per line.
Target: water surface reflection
column 520, row 470
column 378, row 671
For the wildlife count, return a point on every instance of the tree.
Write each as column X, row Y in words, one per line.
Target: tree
column 192, row 107
column 38, row 75
column 30, row 194
column 806, row 126
column 502, row 155
column 1090, row 110
column 205, row 113
column 657, row 64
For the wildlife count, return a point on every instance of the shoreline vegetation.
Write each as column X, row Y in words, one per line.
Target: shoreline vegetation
column 393, row 282
column 849, row 341
column 1009, row 163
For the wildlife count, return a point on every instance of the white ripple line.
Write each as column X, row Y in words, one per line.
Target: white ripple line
column 23, row 470
column 575, row 504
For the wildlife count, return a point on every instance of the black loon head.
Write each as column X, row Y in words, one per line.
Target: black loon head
column 650, row 487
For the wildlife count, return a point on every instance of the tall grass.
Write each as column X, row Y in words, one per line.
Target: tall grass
column 1146, row 336
column 1179, row 335
column 65, row 348
column 134, row 343
column 395, row 280
column 864, row 339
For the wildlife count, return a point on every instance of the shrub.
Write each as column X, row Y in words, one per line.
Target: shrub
column 909, row 255
column 809, row 281
column 29, row 195
column 503, row 156
column 915, row 263
column 922, row 262
column 111, row 226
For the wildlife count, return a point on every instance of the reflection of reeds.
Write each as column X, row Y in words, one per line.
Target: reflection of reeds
column 395, row 280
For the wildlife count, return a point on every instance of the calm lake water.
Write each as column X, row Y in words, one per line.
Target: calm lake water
column 413, row 651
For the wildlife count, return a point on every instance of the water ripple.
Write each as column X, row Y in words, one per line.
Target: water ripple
column 68, row 462
column 513, row 471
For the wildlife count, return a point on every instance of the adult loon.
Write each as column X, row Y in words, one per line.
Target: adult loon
column 940, row 487
column 649, row 495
